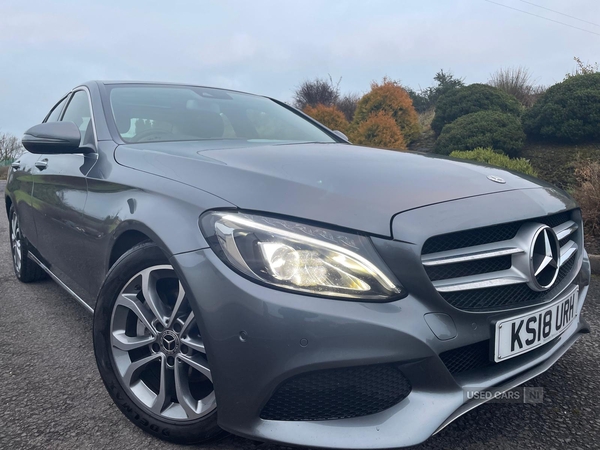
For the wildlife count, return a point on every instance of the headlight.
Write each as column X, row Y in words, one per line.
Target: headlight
column 299, row 257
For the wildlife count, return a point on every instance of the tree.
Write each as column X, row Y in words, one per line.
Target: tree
column 347, row 104
column 317, row 92
column 472, row 98
column 445, row 82
column 569, row 111
column 392, row 99
column 330, row 116
column 495, row 129
column 427, row 98
column 582, row 68
column 379, row 130
column 10, row 147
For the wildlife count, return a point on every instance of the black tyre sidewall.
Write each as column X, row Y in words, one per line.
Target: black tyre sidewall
column 11, row 213
column 30, row 271
column 138, row 258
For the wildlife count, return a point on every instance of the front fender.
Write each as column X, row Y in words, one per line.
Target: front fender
column 164, row 210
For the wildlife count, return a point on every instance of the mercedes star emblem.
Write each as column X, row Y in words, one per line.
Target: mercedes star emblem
column 544, row 258
column 170, row 342
column 496, row 179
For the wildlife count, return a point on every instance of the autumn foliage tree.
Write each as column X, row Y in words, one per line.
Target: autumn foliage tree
column 379, row 130
column 393, row 101
column 330, row 116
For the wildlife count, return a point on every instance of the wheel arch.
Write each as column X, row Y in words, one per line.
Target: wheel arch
column 129, row 234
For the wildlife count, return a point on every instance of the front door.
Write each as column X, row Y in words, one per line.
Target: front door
column 59, row 197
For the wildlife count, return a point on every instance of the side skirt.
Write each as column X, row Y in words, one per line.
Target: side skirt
column 61, row 284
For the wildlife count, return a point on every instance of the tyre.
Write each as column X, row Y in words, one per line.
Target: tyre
column 149, row 349
column 25, row 269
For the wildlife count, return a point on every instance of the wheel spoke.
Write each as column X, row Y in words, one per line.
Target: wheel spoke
column 194, row 344
column 192, row 407
column 151, row 295
column 187, row 324
column 15, row 225
column 178, row 302
column 182, row 390
column 198, row 363
column 127, row 343
column 135, row 367
column 167, row 384
column 131, row 302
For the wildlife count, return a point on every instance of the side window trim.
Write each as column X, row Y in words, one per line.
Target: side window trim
column 89, row 97
column 56, row 105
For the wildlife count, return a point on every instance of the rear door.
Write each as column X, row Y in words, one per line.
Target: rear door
column 59, row 197
column 20, row 183
column 22, row 176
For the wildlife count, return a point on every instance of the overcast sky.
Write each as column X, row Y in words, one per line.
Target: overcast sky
column 270, row 46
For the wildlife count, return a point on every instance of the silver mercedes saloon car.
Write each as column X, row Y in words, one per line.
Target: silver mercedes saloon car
column 250, row 271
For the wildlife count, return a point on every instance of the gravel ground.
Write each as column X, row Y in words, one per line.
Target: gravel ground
column 51, row 395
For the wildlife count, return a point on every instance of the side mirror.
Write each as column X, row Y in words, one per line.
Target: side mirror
column 54, row 138
column 338, row 133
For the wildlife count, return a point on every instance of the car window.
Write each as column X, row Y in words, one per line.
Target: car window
column 78, row 111
column 55, row 112
column 180, row 113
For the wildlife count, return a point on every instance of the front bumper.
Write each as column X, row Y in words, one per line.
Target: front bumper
column 257, row 338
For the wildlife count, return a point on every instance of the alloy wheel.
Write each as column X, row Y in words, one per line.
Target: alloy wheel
column 158, row 349
column 16, row 244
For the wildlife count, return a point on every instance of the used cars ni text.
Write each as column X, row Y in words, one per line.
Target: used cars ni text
column 251, row 271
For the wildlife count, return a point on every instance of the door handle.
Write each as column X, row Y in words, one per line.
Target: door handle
column 16, row 165
column 41, row 165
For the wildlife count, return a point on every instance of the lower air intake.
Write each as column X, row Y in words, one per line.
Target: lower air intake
column 338, row 394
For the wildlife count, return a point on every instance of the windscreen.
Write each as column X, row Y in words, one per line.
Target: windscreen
column 148, row 113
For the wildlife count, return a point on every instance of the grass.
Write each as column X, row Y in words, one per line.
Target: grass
column 4, row 172
column 556, row 163
column 426, row 141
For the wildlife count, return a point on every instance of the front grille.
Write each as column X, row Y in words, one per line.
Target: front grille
column 486, row 269
column 487, row 235
column 477, row 356
column 338, row 394
column 467, row 358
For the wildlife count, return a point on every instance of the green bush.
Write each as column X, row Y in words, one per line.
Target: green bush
column 489, row 156
column 494, row 129
column 469, row 99
column 568, row 111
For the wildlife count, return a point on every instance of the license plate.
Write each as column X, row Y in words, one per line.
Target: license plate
column 523, row 333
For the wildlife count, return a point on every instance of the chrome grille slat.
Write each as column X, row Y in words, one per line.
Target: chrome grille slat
column 567, row 251
column 471, row 253
column 481, row 281
column 565, row 229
